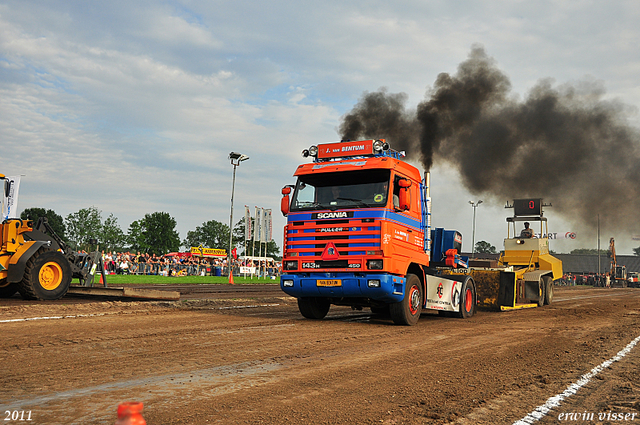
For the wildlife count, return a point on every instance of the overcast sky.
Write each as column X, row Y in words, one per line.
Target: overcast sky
column 133, row 107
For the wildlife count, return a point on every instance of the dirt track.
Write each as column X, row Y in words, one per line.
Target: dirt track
column 243, row 354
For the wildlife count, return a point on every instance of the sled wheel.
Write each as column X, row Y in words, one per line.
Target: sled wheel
column 47, row 276
column 548, row 289
column 541, row 285
column 407, row 312
column 313, row 308
column 467, row 299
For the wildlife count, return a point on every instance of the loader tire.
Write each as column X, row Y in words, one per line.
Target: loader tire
column 47, row 276
column 407, row 312
column 313, row 307
column 467, row 299
column 548, row 290
column 9, row 290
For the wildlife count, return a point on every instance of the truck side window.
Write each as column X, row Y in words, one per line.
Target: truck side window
column 396, row 193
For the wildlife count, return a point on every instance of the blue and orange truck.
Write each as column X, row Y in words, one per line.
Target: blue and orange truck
column 359, row 233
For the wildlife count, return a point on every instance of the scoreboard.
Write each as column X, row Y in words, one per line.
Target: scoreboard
column 527, row 207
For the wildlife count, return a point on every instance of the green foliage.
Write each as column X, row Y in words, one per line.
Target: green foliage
column 55, row 221
column 156, row 234
column 111, row 235
column 87, row 224
column 134, row 236
column 211, row 234
column 82, row 226
column 483, row 247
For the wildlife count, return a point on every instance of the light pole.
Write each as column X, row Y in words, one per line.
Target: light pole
column 236, row 158
column 473, row 233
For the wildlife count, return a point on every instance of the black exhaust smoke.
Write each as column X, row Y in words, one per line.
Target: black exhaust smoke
column 564, row 144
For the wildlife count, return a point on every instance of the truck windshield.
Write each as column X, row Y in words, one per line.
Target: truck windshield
column 351, row 189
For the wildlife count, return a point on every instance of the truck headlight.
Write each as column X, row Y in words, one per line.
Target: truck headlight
column 373, row 283
column 291, row 265
column 287, row 283
column 374, row 264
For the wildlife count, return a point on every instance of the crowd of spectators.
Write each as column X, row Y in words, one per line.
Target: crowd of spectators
column 177, row 265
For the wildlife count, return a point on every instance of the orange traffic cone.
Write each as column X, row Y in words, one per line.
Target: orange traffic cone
column 130, row 413
column 231, row 277
column 101, row 282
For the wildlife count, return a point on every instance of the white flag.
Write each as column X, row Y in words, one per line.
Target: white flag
column 10, row 199
column 269, row 226
column 247, row 223
column 256, row 230
column 263, row 225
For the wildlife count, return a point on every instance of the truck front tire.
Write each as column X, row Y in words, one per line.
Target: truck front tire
column 313, row 307
column 407, row 312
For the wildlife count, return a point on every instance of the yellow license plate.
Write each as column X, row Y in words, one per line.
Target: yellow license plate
column 329, row 283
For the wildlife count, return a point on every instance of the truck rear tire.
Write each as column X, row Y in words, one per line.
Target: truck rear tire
column 407, row 312
column 47, row 276
column 313, row 308
column 548, row 289
column 467, row 299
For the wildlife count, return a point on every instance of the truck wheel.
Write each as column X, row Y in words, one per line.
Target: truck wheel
column 9, row 290
column 47, row 276
column 467, row 299
column 407, row 312
column 313, row 308
column 548, row 289
column 541, row 286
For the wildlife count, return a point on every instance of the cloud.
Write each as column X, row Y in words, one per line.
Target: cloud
column 134, row 106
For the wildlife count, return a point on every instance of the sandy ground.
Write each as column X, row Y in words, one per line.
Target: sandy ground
column 243, row 354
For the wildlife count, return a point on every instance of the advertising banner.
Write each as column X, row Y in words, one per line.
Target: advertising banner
column 208, row 252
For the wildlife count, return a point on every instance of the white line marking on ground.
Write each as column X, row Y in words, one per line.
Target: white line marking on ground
column 75, row 316
column 555, row 401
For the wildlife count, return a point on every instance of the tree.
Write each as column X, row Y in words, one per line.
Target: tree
column 55, row 221
column 111, row 236
column 82, row 226
column 636, row 251
column 211, row 234
column 158, row 234
column 135, row 238
column 483, row 247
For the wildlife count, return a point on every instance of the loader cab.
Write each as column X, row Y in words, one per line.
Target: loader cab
column 532, row 253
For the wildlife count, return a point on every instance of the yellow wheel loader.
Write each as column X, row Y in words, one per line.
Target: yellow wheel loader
column 32, row 267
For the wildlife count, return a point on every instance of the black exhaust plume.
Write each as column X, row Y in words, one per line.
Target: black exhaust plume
column 565, row 144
